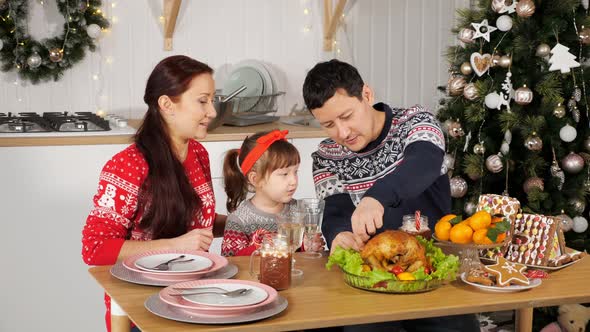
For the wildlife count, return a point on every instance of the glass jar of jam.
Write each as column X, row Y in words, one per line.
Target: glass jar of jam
column 410, row 226
column 275, row 262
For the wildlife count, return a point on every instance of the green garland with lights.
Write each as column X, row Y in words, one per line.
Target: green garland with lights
column 47, row 59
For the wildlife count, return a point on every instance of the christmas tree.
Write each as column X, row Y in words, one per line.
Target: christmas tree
column 517, row 114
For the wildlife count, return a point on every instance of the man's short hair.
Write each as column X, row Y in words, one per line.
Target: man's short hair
column 325, row 78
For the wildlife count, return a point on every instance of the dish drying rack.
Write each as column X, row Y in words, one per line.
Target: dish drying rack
column 253, row 110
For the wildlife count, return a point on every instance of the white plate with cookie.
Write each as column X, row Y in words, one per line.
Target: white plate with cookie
column 502, row 289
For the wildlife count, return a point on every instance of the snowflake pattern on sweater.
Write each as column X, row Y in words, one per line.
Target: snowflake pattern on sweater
column 337, row 170
column 244, row 225
column 115, row 216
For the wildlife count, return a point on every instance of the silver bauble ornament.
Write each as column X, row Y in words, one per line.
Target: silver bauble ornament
column 493, row 100
column 533, row 183
column 568, row 133
column 448, row 162
column 505, row 61
column 566, row 223
column 543, row 50
column 56, row 54
column 572, row 163
column 559, row 111
column 494, row 163
column 466, row 68
column 533, row 143
column 82, row 6
column 584, row 35
column 504, row 23
column 479, row 149
column 525, row 8
column 580, row 224
column 455, row 129
column 93, row 31
column 466, row 35
column 455, row 85
column 470, row 92
column 34, row 60
column 587, row 144
column 458, row 187
column 469, row 208
column 523, row 95
column 577, row 204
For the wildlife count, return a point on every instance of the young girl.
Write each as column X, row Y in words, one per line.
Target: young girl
column 267, row 165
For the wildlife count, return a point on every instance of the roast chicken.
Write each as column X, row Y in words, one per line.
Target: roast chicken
column 395, row 248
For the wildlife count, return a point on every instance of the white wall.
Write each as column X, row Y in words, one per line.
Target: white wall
column 396, row 44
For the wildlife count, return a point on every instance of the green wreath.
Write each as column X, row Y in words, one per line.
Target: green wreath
column 48, row 59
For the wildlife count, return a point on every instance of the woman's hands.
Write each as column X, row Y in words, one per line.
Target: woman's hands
column 196, row 239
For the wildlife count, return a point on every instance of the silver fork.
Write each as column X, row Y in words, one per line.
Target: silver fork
column 234, row 293
column 166, row 265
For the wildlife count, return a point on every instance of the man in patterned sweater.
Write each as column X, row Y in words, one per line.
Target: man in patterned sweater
column 378, row 165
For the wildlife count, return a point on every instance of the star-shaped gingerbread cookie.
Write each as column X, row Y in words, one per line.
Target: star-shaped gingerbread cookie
column 483, row 29
column 507, row 272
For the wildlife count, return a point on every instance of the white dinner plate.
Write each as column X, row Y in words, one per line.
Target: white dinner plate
column 256, row 295
column 507, row 289
column 199, row 263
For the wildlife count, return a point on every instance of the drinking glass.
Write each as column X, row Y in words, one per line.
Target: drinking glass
column 291, row 226
column 313, row 210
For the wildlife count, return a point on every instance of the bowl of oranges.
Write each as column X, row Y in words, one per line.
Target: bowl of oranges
column 466, row 237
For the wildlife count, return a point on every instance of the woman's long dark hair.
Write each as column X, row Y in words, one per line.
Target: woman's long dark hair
column 167, row 197
column 280, row 154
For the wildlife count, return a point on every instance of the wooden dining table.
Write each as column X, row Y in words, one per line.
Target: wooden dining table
column 321, row 299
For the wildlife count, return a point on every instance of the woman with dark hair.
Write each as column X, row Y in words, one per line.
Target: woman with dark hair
column 157, row 193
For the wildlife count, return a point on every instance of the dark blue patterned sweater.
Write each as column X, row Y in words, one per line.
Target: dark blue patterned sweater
column 402, row 169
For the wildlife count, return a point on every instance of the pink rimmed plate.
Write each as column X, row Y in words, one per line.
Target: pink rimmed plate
column 238, row 305
column 218, row 263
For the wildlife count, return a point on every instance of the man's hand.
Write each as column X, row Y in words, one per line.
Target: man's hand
column 347, row 240
column 367, row 218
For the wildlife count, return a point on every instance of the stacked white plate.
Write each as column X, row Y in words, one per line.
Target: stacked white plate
column 199, row 264
column 257, row 78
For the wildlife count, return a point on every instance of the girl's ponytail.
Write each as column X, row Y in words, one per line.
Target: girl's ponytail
column 236, row 184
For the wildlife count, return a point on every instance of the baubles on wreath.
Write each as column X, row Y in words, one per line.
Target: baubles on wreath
column 573, row 163
column 56, row 54
column 494, row 163
column 533, row 183
column 458, row 187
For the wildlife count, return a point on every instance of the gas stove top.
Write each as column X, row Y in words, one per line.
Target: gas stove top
column 30, row 122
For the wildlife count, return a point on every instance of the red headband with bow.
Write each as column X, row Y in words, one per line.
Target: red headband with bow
column 262, row 144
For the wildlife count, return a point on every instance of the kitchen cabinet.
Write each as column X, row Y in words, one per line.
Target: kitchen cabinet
column 45, row 197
